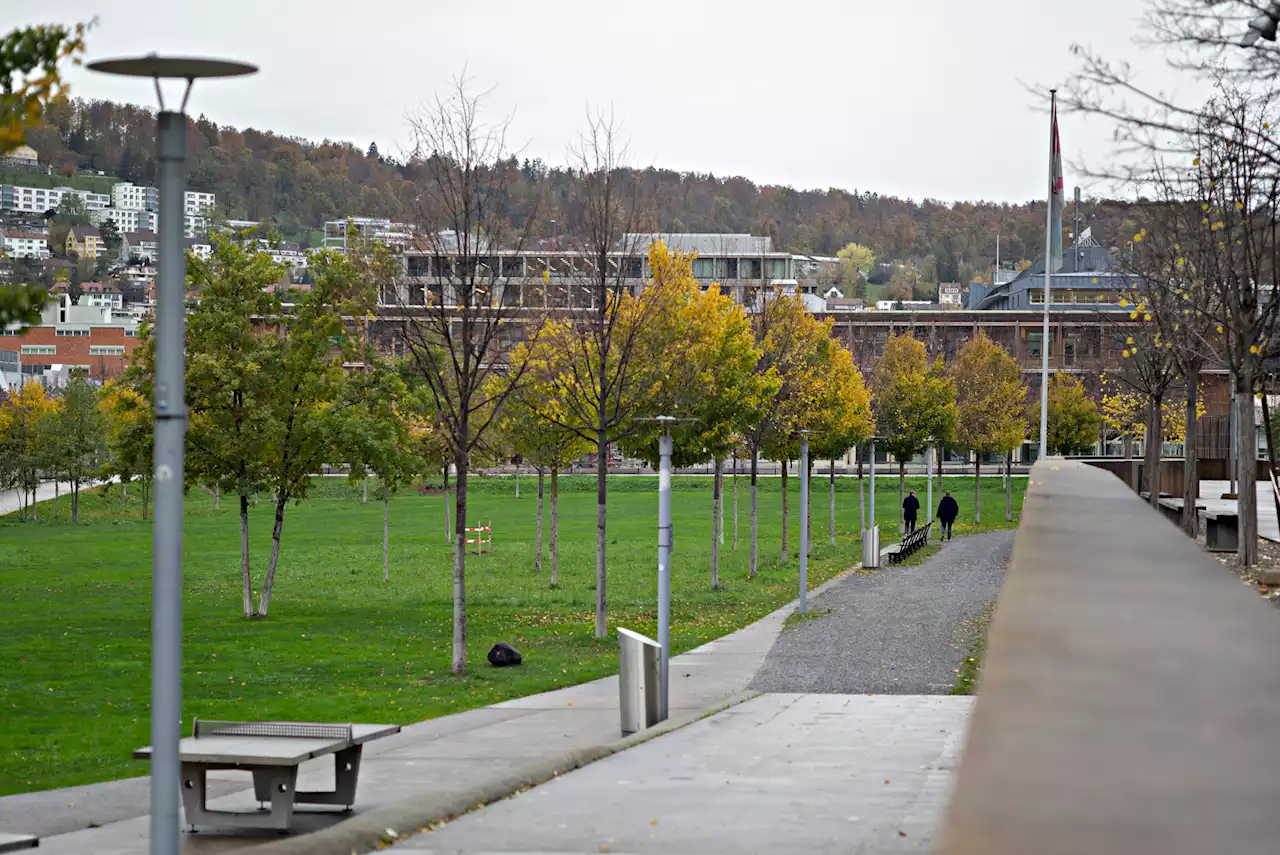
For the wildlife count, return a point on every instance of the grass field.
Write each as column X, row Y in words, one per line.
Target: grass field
column 340, row 644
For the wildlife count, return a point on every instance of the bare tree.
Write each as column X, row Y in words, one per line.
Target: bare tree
column 454, row 309
column 593, row 291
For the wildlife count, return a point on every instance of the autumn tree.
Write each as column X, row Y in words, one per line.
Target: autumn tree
column 1073, row 416
column 25, row 432
column 914, row 401
column 125, row 406
column 78, row 437
column 708, row 380
column 229, row 382
column 842, row 419
column 991, row 402
column 856, row 263
column 462, row 312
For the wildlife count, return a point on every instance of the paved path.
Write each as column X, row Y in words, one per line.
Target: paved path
column 901, row 631
column 832, row 774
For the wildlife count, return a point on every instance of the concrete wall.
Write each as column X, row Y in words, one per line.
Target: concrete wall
column 1129, row 692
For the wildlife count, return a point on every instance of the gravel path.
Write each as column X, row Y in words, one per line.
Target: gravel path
column 897, row 631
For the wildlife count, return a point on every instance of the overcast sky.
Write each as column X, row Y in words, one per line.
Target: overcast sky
column 916, row 98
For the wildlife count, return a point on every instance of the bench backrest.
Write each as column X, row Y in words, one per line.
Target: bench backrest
column 275, row 729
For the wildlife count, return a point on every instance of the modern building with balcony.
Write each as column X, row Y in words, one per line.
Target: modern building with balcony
column 375, row 229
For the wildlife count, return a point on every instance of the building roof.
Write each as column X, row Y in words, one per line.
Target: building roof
column 25, row 235
column 100, row 288
column 82, row 232
column 705, row 243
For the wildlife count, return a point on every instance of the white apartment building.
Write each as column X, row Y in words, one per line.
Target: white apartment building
column 287, row 254
column 140, row 244
column 196, row 204
column 103, row 295
column 26, row 244
column 134, row 197
column 126, row 219
column 37, row 200
column 375, row 229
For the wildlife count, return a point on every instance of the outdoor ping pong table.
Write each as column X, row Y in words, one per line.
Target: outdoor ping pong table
column 272, row 751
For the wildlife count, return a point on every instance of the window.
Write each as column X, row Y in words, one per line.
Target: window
column 1037, row 295
column 727, row 268
column 1034, row 340
column 749, row 268
column 130, row 333
column 39, row 350
column 1069, row 348
column 106, row 350
column 72, row 333
column 704, row 268
column 777, row 268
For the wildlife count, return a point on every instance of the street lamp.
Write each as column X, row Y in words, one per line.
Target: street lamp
column 170, row 409
column 1262, row 27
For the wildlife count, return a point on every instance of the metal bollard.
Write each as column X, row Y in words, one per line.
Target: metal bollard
column 871, row 548
column 639, row 681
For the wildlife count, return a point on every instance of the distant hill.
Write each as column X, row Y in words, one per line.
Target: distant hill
column 298, row 184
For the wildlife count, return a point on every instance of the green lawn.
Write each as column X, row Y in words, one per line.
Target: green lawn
column 339, row 643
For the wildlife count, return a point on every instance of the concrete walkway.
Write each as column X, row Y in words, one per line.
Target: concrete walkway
column 838, row 774
column 477, row 755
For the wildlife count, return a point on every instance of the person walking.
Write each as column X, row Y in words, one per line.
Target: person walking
column 948, row 510
column 910, row 507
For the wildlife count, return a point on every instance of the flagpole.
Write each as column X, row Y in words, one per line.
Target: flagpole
column 1048, row 261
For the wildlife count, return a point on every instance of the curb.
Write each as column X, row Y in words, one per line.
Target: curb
column 368, row 831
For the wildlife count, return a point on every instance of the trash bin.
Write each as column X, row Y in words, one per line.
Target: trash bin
column 871, row 547
column 639, row 681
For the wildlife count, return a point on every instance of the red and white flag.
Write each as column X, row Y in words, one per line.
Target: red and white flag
column 1056, row 196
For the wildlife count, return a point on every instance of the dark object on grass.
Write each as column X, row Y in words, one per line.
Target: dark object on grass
column 502, row 655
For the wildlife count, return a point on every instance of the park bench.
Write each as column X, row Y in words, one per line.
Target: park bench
column 272, row 751
column 1221, row 531
column 918, row 538
column 1172, row 509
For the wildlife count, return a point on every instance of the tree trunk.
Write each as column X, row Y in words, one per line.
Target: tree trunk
column 786, row 546
column 146, row 497
column 717, row 522
column 555, row 526
column 75, row 500
column 448, row 526
column 124, row 496
column 264, row 601
column 755, row 519
column 831, row 492
column 217, row 499
column 719, row 462
column 1190, row 476
column 55, row 496
column 1247, row 468
column 537, row 543
column 459, row 665
column 1151, row 457
column 1008, row 486
column 602, row 468
column 364, row 490
column 245, row 578
column 1126, row 446
column 977, row 488
column 386, row 535
column 735, row 502
column 1271, row 451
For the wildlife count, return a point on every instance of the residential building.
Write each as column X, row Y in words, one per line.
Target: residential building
column 198, row 247
column 91, row 338
column 134, row 197
column 102, row 295
column 288, row 254
column 950, row 294
column 126, row 219
column 20, row 244
column 197, row 204
column 85, row 241
column 23, row 155
column 374, row 229
column 141, row 244
column 38, row 200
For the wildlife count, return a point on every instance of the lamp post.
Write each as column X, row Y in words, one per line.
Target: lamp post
column 804, row 521
column 1262, row 26
column 170, row 409
column 928, row 474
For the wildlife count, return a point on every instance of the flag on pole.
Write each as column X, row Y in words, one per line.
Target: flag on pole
column 1056, row 197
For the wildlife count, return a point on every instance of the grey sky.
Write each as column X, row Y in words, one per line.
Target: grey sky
column 918, row 98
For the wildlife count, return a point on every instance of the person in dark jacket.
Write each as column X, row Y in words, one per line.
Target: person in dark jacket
column 948, row 510
column 910, row 507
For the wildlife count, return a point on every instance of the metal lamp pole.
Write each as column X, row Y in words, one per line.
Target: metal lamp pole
column 804, row 521
column 928, row 469
column 664, row 564
column 170, row 409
